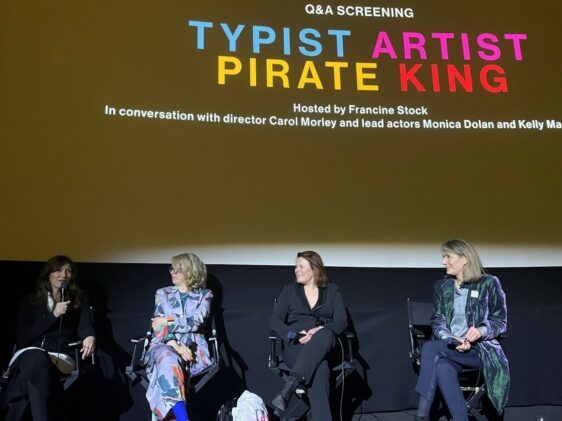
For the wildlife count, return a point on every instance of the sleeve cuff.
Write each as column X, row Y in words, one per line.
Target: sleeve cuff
column 444, row 335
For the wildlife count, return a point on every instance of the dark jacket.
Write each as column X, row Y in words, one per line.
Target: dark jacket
column 292, row 313
column 37, row 326
column 485, row 306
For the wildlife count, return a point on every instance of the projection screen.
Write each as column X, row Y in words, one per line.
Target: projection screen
column 246, row 131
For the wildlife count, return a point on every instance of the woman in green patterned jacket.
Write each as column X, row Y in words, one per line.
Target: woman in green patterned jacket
column 469, row 313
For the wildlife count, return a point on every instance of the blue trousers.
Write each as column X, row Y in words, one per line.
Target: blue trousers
column 440, row 366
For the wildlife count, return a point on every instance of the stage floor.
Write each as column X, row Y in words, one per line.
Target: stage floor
column 523, row 413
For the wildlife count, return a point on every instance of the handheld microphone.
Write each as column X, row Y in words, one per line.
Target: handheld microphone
column 63, row 286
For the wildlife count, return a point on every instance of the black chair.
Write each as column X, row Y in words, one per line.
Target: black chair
column 69, row 379
column 299, row 408
column 136, row 370
column 82, row 366
column 419, row 328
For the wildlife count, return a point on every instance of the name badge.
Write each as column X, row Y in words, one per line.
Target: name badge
column 474, row 293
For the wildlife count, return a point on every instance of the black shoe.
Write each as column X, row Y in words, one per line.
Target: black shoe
column 279, row 402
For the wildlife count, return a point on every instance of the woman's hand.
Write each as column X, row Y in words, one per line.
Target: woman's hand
column 61, row 308
column 88, row 346
column 158, row 322
column 309, row 333
column 473, row 334
column 184, row 352
column 464, row 346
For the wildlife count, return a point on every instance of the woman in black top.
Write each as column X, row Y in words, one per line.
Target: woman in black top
column 57, row 313
column 308, row 317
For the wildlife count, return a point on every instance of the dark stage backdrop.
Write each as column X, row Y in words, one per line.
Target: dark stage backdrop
column 122, row 295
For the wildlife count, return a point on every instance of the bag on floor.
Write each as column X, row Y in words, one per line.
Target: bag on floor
column 249, row 407
column 225, row 411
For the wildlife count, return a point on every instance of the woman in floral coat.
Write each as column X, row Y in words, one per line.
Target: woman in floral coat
column 178, row 346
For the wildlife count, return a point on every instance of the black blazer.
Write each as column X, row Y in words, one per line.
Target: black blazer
column 37, row 326
column 292, row 313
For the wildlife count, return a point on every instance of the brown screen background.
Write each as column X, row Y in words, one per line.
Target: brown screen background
column 100, row 187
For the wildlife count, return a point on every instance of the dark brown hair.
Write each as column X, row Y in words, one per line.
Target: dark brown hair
column 43, row 286
column 317, row 266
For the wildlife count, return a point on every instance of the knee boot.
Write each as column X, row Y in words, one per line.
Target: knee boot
column 280, row 401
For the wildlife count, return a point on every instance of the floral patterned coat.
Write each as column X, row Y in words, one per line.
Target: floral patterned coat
column 185, row 324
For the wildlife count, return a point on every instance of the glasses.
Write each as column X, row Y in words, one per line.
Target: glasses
column 172, row 270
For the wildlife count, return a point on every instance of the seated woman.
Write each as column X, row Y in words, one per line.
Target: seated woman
column 308, row 316
column 56, row 314
column 179, row 342
column 469, row 313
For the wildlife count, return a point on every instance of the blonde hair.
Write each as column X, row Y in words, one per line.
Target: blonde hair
column 473, row 269
column 192, row 268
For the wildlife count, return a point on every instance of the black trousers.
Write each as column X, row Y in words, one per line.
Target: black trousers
column 310, row 362
column 34, row 383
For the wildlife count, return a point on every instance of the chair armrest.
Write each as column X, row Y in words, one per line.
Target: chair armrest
column 76, row 346
column 214, row 344
column 417, row 337
column 140, row 338
column 273, row 360
column 350, row 337
column 417, row 333
column 138, row 341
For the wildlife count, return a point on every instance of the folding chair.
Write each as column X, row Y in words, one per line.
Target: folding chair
column 79, row 370
column 136, row 370
column 275, row 362
column 419, row 328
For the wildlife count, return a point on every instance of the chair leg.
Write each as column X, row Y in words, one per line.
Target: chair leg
column 473, row 404
column 297, row 410
column 475, row 413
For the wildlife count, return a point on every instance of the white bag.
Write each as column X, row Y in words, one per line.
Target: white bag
column 250, row 407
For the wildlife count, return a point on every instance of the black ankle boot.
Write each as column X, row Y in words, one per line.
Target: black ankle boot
column 279, row 402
